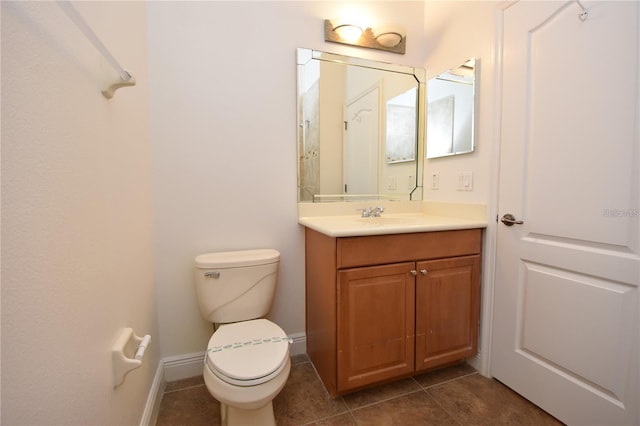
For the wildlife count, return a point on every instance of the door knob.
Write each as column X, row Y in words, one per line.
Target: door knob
column 510, row 220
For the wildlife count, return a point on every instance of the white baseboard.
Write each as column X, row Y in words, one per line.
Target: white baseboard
column 152, row 407
column 299, row 344
column 478, row 363
column 183, row 366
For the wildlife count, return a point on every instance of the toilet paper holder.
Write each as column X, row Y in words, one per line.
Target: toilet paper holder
column 127, row 353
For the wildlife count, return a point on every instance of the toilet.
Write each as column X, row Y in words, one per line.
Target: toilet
column 247, row 361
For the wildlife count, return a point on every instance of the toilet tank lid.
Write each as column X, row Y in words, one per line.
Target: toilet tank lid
column 235, row 259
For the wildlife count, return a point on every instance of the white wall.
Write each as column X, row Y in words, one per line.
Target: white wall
column 77, row 261
column 455, row 32
column 223, row 120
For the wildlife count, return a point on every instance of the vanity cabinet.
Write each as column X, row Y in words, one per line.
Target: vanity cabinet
column 388, row 306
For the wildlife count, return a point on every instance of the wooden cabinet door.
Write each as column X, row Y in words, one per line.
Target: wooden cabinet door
column 447, row 310
column 375, row 324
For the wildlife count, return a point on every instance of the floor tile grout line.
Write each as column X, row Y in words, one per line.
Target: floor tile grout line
column 320, row 419
column 437, row 401
column 384, row 400
column 448, row 381
column 367, row 405
column 182, row 389
column 454, row 418
column 422, row 389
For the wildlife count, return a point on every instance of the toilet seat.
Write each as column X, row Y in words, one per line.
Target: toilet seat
column 247, row 353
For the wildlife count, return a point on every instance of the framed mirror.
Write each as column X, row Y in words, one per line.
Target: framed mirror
column 451, row 98
column 361, row 124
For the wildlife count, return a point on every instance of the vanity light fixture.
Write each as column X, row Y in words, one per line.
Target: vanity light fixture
column 390, row 38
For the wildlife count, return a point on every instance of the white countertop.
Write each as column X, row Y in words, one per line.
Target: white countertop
column 423, row 217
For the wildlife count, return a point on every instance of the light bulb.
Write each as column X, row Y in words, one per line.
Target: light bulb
column 348, row 32
column 389, row 39
column 389, row 35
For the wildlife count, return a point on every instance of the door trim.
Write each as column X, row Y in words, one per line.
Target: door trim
column 482, row 362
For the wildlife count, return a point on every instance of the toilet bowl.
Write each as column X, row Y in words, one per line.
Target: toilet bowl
column 247, row 364
column 247, row 361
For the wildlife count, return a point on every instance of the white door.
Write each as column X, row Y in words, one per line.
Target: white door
column 566, row 323
column 362, row 143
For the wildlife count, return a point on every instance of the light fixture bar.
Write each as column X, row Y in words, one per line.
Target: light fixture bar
column 388, row 40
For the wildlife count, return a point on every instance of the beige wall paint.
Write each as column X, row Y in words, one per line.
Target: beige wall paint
column 77, row 262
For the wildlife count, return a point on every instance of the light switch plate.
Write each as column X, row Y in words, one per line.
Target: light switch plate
column 435, row 180
column 391, row 183
column 465, row 181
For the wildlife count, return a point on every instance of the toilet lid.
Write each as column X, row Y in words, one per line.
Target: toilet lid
column 247, row 353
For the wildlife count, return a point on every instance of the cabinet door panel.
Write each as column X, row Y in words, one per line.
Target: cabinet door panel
column 375, row 324
column 447, row 310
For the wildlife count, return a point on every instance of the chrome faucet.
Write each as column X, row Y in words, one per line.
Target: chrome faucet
column 376, row 211
column 372, row 211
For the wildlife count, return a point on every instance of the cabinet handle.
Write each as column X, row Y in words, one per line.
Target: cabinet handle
column 414, row 272
column 423, row 271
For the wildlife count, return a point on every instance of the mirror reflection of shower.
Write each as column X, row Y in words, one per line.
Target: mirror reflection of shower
column 309, row 134
column 401, row 127
column 451, row 111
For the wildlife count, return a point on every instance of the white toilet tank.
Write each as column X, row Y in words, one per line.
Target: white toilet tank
column 236, row 286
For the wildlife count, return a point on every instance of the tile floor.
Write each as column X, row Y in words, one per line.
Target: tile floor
column 457, row 395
